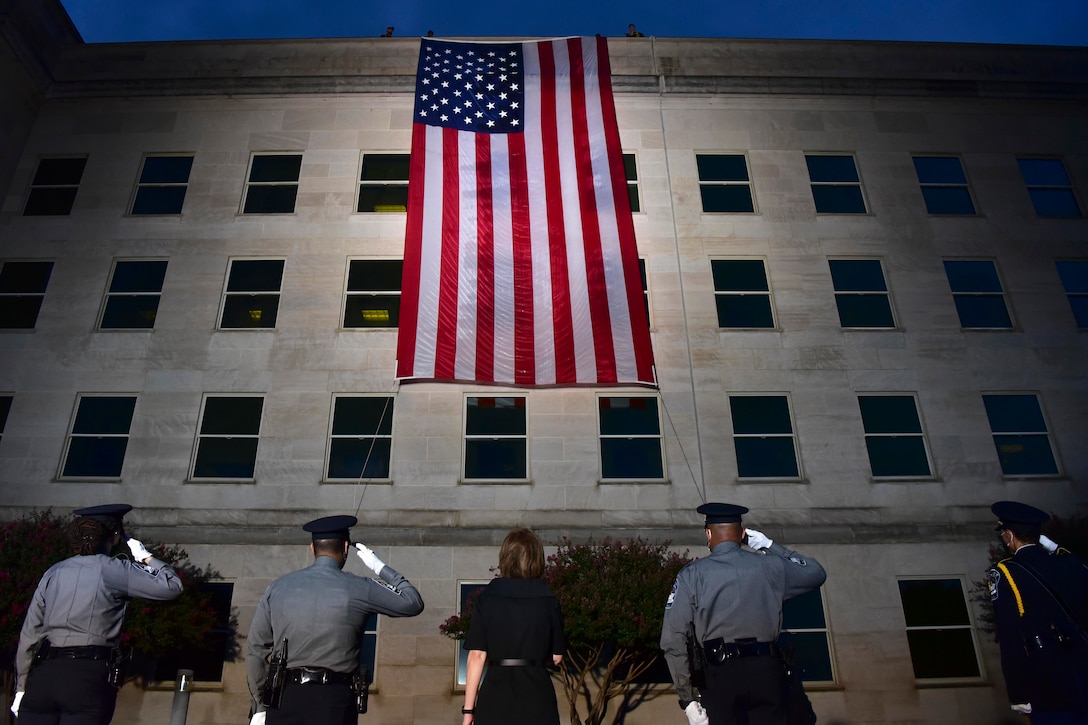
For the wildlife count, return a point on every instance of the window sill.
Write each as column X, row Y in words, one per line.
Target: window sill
column 494, row 481
column 946, row 684
column 634, row 481
column 87, row 479
column 772, row 479
column 219, row 481
column 355, row 481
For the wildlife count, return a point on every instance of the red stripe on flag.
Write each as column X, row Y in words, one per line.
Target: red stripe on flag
column 446, row 342
column 413, row 236
column 524, row 347
column 485, row 262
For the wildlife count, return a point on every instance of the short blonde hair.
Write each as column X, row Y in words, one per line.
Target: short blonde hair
column 521, row 555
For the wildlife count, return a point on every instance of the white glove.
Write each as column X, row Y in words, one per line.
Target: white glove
column 696, row 714
column 1024, row 709
column 15, row 703
column 139, row 552
column 257, row 719
column 1047, row 543
column 757, row 539
column 369, row 558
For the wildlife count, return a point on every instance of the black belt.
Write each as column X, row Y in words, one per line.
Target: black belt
column 90, row 652
column 318, row 676
column 718, row 650
column 515, row 663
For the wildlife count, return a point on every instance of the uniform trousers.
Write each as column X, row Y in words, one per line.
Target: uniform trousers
column 746, row 691
column 314, row 704
column 68, row 692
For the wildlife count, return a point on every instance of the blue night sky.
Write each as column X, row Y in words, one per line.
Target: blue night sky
column 1046, row 22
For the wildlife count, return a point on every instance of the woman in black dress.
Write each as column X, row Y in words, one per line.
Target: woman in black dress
column 516, row 630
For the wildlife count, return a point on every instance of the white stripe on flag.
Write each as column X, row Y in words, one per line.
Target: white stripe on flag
column 467, row 246
column 504, row 259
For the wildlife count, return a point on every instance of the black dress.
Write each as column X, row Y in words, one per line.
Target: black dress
column 516, row 619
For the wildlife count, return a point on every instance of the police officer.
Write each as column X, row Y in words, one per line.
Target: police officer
column 67, row 644
column 734, row 598
column 1040, row 599
column 321, row 611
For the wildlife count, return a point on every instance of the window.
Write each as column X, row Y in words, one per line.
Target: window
column 226, row 444
column 383, row 183
column 273, row 184
column 98, row 437
column 252, row 296
column 132, row 300
column 22, row 289
column 631, row 441
column 162, row 185
column 361, row 437
column 1049, row 186
column 5, row 408
column 631, row 172
column 1020, row 434
column 645, row 291
column 1074, row 276
column 724, row 184
column 939, row 633
column 977, row 292
column 373, row 293
column 893, row 436
column 53, row 189
column 763, row 436
column 495, row 438
column 206, row 662
column 836, row 186
column 742, row 294
column 944, row 185
column 805, row 635
column 861, row 294
column 467, row 592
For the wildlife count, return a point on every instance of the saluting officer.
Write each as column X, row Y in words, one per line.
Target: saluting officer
column 66, row 646
column 321, row 612
column 1040, row 598
column 734, row 598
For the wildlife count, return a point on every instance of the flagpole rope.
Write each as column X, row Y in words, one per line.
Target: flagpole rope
column 373, row 440
column 699, row 483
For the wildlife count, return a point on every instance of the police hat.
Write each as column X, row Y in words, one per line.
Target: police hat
column 1019, row 517
column 331, row 527
column 722, row 513
column 110, row 513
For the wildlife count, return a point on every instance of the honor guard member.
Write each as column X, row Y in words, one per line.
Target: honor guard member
column 68, row 647
column 1040, row 599
column 734, row 600
column 320, row 613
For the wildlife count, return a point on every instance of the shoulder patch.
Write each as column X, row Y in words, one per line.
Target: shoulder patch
column 993, row 578
column 672, row 596
column 798, row 561
column 390, row 587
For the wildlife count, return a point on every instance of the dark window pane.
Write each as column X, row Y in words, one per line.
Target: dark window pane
column 832, row 168
column 965, row 276
column 744, row 311
column 729, row 198
column 889, row 414
column 632, row 197
column 271, row 199
column 275, row 168
column 19, row 313
column 739, row 275
column 225, row 458
column 104, row 415
column 1058, row 203
column 25, row 277
column 1025, row 455
column 166, row 170
column 631, row 458
column 383, row 198
column 987, row 311
column 1080, row 310
column 805, row 611
column 495, row 416
column 99, row 457
column 159, row 200
column 857, row 275
column 838, row 199
column 948, row 200
column 942, row 653
column 385, row 167
column 347, row 456
column 374, row 275
column 630, row 171
column 933, row 602
column 255, row 276
column 760, row 414
column 363, row 416
column 629, row 416
column 494, row 458
column 135, row 312
column 232, row 416
column 722, row 167
column 1074, row 276
column 50, row 201
column 55, row 172
column 1014, row 413
column 766, row 458
column 809, row 654
column 5, row 408
column 372, row 311
column 138, row 276
column 895, row 456
column 250, row 311
column 939, row 170
column 864, row 311
column 1043, row 172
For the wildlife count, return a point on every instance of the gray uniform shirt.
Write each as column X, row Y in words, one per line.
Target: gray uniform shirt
column 81, row 601
column 733, row 594
column 321, row 610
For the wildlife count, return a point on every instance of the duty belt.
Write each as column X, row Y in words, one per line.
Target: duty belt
column 318, row 676
column 90, row 652
column 718, row 650
column 515, row 663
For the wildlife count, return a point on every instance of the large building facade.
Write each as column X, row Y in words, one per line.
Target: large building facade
column 867, row 280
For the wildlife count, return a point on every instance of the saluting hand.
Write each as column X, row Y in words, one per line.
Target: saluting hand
column 757, row 539
column 369, row 558
column 139, row 551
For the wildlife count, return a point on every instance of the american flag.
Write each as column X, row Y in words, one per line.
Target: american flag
column 520, row 264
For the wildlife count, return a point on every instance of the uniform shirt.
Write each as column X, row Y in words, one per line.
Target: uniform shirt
column 733, row 594
column 322, row 610
column 81, row 601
